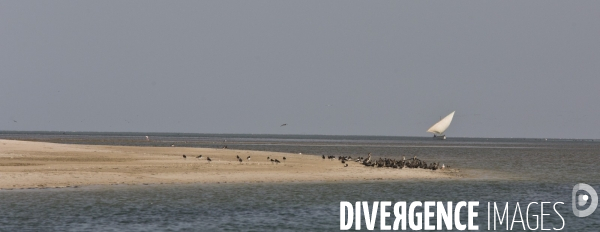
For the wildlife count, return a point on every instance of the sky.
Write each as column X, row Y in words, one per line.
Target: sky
column 527, row 69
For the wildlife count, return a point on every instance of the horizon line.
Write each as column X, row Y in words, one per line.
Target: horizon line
column 267, row 134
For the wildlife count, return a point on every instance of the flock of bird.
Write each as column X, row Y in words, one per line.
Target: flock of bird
column 369, row 162
column 207, row 158
column 388, row 163
column 239, row 159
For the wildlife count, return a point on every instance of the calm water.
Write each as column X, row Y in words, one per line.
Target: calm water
column 496, row 170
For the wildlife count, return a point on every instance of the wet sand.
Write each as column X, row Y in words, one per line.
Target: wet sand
column 26, row 164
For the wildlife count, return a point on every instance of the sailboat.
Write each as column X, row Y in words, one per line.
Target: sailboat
column 440, row 127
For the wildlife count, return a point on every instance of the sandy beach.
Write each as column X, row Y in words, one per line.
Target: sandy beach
column 25, row 164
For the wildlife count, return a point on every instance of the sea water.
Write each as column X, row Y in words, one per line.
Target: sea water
column 493, row 170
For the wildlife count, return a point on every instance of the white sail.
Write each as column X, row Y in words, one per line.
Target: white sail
column 442, row 125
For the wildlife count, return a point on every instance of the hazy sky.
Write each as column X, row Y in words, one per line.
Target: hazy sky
column 508, row 68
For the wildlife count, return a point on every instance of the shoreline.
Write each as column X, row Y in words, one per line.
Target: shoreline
column 25, row 165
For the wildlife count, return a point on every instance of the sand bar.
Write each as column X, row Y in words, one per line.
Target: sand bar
column 25, row 164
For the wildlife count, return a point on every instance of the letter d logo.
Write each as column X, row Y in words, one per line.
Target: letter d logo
column 582, row 200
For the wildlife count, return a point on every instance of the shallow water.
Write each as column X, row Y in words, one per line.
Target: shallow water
column 254, row 207
column 500, row 170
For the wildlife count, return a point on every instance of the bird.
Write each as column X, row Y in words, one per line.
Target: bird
column 237, row 156
column 239, row 159
column 272, row 161
column 277, row 161
column 284, row 158
column 268, row 158
column 248, row 158
column 199, row 157
column 147, row 138
column 323, row 156
column 172, row 144
column 285, row 124
column 346, row 165
column 184, row 156
column 368, row 158
column 208, row 158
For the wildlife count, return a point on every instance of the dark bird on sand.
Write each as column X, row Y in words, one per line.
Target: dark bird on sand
column 284, row 158
column 199, row 157
column 208, row 158
column 184, row 156
column 345, row 165
column 248, row 158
